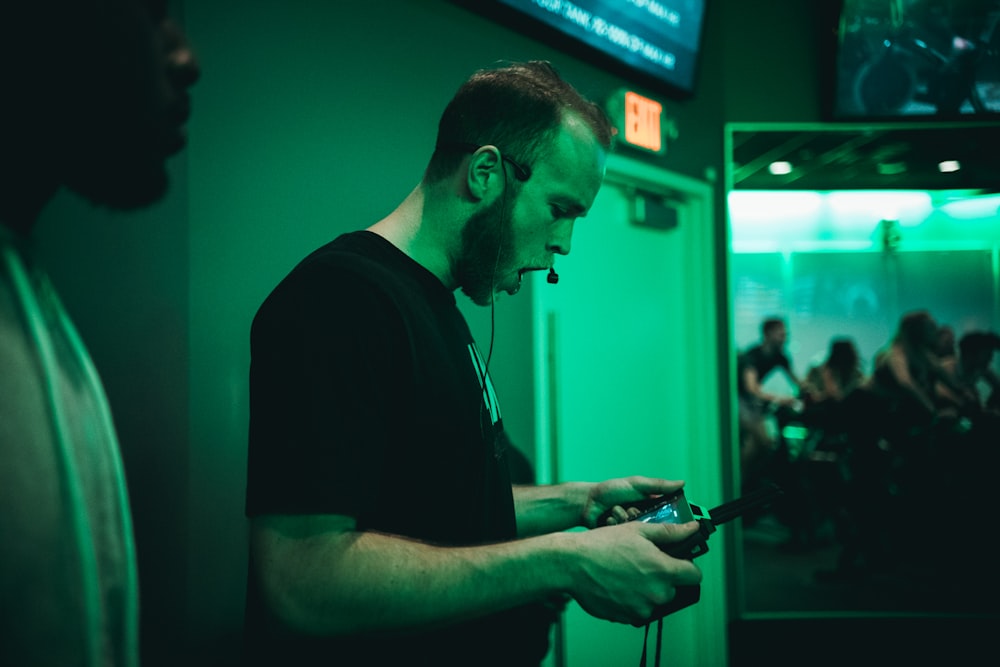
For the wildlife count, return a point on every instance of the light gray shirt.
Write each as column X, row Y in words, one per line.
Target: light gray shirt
column 68, row 591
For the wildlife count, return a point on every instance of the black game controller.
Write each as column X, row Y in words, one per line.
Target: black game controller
column 675, row 508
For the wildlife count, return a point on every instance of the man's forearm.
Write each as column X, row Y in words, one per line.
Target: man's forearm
column 340, row 583
column 549, row 508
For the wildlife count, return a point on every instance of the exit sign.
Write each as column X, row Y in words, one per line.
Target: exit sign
column 640, row 122
column 643, row 127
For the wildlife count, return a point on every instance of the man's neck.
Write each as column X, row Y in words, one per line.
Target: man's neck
column 422, row 231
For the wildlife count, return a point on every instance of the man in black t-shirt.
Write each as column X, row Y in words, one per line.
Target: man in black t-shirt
column 383, row 521
column 754, row 366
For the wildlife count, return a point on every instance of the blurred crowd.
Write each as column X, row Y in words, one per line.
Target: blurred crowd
column 882, row 461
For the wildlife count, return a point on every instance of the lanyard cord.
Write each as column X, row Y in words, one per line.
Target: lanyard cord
column 75, row 501
column 659, row 643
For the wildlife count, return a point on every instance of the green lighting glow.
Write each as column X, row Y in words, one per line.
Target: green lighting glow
column 907, row 206
column 850, row 220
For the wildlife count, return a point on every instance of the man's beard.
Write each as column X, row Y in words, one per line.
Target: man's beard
column 117, row 174
column 487, row 248
column 123, row 189
column 114, row 151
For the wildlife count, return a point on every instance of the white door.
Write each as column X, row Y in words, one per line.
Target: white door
column 628, row 383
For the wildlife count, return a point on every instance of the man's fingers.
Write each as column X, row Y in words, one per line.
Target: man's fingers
column 668, row 533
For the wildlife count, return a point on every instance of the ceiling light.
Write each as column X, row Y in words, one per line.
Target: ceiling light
column 949, row 166
column 780, row 168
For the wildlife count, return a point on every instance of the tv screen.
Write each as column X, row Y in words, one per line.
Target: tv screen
column 656, row 42
column 921, row 59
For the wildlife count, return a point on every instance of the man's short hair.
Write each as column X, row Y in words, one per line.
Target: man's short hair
column 771, row 324
column 518, row 108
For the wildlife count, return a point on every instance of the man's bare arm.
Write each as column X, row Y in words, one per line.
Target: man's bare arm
column 545, row 509
column 319, row 576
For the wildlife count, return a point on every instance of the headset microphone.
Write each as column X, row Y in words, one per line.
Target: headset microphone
column 553, row 277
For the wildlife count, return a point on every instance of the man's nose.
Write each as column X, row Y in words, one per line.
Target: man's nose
column 182, row 63
column 562, row 237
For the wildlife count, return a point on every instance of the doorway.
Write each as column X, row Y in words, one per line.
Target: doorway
column 632, row 314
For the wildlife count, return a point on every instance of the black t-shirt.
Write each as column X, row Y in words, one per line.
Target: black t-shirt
column 762, row 361
column 369, row 398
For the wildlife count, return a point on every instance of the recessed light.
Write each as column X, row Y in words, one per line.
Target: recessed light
column 948, row 166
column 780, row 168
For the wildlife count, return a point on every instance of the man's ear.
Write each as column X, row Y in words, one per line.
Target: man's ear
column 485, row 172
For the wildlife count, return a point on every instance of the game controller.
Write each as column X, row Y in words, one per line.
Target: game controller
column 675, row 508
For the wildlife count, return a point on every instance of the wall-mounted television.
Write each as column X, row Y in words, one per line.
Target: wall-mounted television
column 657, row 43
column 917, row 59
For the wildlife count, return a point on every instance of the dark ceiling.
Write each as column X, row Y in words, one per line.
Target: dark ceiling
column 837, row 157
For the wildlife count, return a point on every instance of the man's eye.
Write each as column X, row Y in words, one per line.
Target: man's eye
column 557, row 212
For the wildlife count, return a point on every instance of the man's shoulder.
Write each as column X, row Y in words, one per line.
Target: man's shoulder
column 356, row 272
column 349, row 261
column 350, row 252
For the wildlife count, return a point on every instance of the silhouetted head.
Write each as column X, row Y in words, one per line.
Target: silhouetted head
column 976, row 349
column 843, row 355
column 774, row 332
column 946, row 341
column 918, row 329
column 95, row 99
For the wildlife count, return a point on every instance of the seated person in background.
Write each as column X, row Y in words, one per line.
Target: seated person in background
column 911, row 376
column 754, row 366
column 970, row 370
column 824, row 391
column 836, row 377
column 907, row 370
column 947, row 348
column 814, row 489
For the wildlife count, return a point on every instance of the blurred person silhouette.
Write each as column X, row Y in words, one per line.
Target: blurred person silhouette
column 383, row 519
column 827, row 385
column 971, row 388
column 762, row 412
column 967, row 467
column 915, row 426
column 815, row 491
column 95, row 100
column 947, row 345
column 907, row 369
column 899, row 432
column 836, row 377
column 973, row 384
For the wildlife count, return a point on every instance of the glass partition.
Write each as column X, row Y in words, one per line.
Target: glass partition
column 850, row 534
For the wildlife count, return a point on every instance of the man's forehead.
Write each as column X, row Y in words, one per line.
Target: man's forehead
column 572, row 188
column 571, row 168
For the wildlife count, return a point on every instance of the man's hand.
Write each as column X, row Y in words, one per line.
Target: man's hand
column 613, row 494
column 624, row 575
